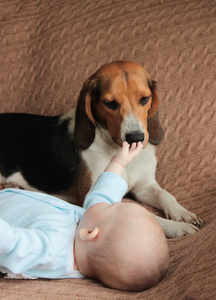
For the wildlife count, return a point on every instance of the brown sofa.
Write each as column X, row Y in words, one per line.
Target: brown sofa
column 48, row 48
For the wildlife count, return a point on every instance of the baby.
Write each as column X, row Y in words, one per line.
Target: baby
column 120, row 244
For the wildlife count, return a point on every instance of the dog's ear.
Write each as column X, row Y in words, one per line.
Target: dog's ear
column 84, row 131
column 156, row 133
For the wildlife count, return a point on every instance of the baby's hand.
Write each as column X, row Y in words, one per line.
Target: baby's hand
column 127, row 153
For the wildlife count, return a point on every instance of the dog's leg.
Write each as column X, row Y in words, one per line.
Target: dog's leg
column 155, row 196
column 173, row 229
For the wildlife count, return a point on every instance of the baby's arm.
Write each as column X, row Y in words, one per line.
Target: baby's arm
column 123, row 157
column 21, row 249
column 109, row 187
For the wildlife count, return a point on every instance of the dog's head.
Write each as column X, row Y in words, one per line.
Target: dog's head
column 122, row 98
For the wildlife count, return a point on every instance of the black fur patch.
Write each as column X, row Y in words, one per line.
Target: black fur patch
column 41, row 149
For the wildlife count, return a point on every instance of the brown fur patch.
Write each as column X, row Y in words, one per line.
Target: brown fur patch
column 83, row 185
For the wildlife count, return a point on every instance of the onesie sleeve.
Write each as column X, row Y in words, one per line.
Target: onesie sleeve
column 21, row 249
column 109, row 188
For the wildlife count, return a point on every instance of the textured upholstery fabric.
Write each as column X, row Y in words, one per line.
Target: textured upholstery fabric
column 47, row 50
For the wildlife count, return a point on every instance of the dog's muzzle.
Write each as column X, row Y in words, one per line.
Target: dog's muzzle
column 135, row 137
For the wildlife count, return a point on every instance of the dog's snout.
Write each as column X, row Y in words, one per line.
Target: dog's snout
column 135, row 137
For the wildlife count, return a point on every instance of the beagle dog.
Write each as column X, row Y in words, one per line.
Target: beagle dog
column 64, row 155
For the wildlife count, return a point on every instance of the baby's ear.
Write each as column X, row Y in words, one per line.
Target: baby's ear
column 88, row 235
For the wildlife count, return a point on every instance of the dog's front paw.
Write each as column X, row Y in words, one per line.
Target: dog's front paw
column 179, row 229
column 173, row 229
column 180, row 214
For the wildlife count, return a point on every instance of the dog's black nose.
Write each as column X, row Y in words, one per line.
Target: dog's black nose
column 135, row 137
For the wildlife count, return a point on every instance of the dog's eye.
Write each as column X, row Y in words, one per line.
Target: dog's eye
column 113, row 105
column 144, row 100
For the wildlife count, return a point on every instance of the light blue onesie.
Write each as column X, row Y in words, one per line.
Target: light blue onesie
column 37, row 230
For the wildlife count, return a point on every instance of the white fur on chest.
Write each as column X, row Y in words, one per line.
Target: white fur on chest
column 141, row 171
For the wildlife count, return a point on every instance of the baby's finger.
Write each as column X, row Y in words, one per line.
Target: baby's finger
column 138, row 148
column 125, row 147
column 133, row 146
